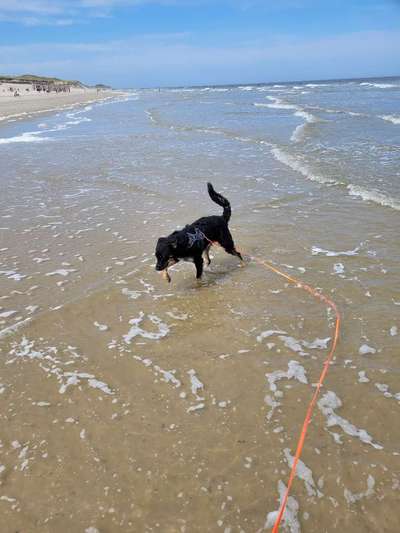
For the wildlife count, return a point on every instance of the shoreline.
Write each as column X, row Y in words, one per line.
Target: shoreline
column 14, row 108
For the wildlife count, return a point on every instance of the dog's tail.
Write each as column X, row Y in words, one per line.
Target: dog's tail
column 220, row 200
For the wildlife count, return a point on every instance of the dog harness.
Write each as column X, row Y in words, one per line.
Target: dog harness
column 197, row 236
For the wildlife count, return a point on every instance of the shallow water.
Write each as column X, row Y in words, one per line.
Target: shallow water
column 129, row 404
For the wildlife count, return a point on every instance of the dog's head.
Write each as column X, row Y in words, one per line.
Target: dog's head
column 165, row 252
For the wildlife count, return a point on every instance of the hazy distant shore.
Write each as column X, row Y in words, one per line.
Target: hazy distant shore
column 31, row 102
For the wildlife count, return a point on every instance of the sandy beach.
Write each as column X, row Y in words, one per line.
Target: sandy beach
column 31, row 102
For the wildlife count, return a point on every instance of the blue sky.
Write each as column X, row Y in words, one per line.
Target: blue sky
column 137, row 43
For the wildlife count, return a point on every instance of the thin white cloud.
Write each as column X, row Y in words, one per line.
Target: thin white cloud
column 174, row 59
column 32, row 7
column 90, row 8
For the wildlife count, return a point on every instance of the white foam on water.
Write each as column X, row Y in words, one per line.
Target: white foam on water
column 382, row 387
column 101, row 327
column 379, row 85
column 136, row 331
column 362, row 378
column 293, row 344
column 75, row 122
column 304, row 473
column 196, row 384
column 268, row 333
column 10, row 330
column 299, row 132
column 327, row 404
column 338, row 268
column 273, row 404
column 24, row 349
column 365, row 349
column 96, row 384
column 183, row 316
column 279, row 104
column 61, row 272
column 317, row 344
column 315, row 250
column 50, row 361
column 195, row 407
column 315, row 85
column 167, row 375
column 299, row 166
column 373, row 196
column 75, row 378
column 12, row 274
column 295, row 371
column 351, row 497
column 391, row 118
column 27, row 137
column 393, row 331
column 296, row 164
column 290, row 519
column 7, row 314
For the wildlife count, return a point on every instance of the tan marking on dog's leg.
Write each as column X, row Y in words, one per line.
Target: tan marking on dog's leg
column 166, row 275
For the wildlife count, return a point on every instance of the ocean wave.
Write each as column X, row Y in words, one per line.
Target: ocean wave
column 390, row 118
column 337, row 111
column 282, row 106
column 184, row 90
column 279, row 104
column 78, row 121
column 374, row 196
column 298, row 133
column 16, row 115
column 307, row 116
column 35, row 136
column 379, row 85
column 219, row 90
column 27, row 137
column 365, row 194
column 299, row 166
column 315, row 85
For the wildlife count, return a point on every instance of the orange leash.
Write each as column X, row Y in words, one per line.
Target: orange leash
column 327, row 362
column 311, row 405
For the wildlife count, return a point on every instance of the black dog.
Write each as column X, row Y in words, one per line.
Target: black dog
column 195, row 239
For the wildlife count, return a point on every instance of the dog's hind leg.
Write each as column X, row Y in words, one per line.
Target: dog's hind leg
column 228, row 245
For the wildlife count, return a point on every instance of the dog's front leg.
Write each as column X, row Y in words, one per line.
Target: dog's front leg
column 206, row 255
column 198, row 262
column 166, row 275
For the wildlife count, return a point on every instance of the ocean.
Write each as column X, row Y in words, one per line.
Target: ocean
column 131, row 404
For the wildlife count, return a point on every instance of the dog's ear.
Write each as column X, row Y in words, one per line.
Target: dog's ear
column 174, row 242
